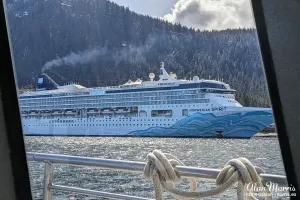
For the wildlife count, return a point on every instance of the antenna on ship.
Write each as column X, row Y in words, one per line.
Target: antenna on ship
column 151, row 76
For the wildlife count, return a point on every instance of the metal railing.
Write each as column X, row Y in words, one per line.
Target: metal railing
column 118, row 165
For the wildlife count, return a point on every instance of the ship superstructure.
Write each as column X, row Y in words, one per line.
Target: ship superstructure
column 168, row 107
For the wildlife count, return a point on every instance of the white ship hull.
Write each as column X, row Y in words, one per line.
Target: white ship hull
column 236, row 122
column 169, row 107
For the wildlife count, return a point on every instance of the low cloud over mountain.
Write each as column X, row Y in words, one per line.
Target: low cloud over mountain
column 212, row 14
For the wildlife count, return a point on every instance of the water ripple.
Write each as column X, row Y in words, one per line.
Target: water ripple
column 211, row 153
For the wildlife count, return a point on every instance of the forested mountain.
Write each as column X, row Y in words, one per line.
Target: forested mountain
column 98, row 43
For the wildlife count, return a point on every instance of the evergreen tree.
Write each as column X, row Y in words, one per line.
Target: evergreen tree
column 128, row 45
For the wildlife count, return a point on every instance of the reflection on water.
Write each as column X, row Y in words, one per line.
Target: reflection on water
column 211, row 153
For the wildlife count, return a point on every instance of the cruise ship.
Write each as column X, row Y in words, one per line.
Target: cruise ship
column 167, row 107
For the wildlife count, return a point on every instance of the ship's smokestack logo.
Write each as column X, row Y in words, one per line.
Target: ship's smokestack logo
column 46, row 83
column 40, row 80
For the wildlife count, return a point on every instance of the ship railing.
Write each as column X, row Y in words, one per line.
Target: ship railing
column 51, row 160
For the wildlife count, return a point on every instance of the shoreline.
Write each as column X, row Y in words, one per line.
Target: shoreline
column 269, row 135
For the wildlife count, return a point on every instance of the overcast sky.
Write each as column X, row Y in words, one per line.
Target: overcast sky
column 201, row 14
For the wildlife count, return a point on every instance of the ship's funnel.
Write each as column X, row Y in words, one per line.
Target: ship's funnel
column 46, row 83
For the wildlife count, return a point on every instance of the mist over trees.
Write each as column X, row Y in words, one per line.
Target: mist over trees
column 99, row 43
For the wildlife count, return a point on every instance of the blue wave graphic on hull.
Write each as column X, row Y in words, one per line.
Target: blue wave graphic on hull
column 237, row 125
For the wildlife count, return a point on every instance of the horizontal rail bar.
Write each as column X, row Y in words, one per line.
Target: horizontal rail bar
column 96, row 193
column 120, row 165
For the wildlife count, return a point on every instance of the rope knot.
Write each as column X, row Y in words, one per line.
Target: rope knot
column 161, row 169
column 164, row 165
column 242, row 167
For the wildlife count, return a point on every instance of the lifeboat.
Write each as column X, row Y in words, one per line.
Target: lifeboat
column 161, row 113
column 92, row 111
column 45, row 112
column 169, row 113
column 107, row 111
column 122, row 110
column 70, row 112
column 57, row 112
column 33, row 112
column 24, row 113
column 134, row 110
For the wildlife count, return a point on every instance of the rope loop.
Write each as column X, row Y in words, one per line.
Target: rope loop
column 161, row 169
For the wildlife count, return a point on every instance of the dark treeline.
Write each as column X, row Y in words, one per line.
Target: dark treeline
column 98, row 43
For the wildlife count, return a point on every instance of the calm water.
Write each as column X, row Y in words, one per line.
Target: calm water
column 211, row 153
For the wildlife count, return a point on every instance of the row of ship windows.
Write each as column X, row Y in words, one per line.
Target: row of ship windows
column 39, row 106
column 106, row 120
column 146, row 102
column 182, row 96
column 149, row 107
column 100, row 125
column 136, row 102
column 135, row 95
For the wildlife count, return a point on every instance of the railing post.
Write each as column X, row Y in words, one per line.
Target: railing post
column 48, row 178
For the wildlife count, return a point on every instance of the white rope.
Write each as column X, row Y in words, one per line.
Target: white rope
column 161, row 169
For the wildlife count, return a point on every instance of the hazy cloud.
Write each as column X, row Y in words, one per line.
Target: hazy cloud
column 128, row 52
column 212, row 14
column 74, row 59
